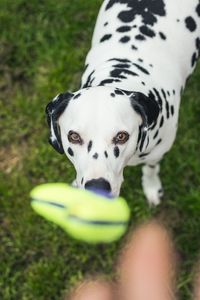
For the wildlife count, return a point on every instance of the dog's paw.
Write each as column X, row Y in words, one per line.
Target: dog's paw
column 152, row 188
column 153, row 194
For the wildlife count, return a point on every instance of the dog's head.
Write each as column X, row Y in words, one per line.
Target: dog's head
column 99, row 129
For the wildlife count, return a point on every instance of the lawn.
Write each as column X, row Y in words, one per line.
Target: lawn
column 42, row 49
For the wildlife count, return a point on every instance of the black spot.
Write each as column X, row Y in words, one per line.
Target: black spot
column 158, row 142
column 151, row 20
column 134, row 48
column 168, row 93
column 82, row 180
column 147, row 31
column 128, row 93
column 77, row 96
column 177, row 20
column 143, row 83
column 140, row 59
column 172, row 110
column 151, row 65
column 198, row 45
column 167, row 109
column 190, row 24
column 130, row 73
column 70, row 151
column 119, row 73
column 156, row 134
column 125, row 39
column 119, row 92
column 121, row 66
column 112, row 95
column 143, row 154
column 147, row 9
column 124, row 29
column 159, row 98
column 162, row 35
column 194, row 59
column 105, row 24
column 107, row 81
column 105, row 37
column 89, row 80
column 164, row 94
column 151, row 166
column 153, row 126
column 140, row 37
column 198, row 9
column 106, row 154
column 147, row 142
column 166, row 103
column 95, row 156
column 174, row 92
column 126, row 16
column 139, row 137
column 141, row 69
column 122, row 60
column 116, row 152
column 161, row 122
column 89, row 146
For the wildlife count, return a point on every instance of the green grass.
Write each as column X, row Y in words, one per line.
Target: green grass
column 42, row 49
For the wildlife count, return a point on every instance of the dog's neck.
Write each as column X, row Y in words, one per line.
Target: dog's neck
column 119, row 73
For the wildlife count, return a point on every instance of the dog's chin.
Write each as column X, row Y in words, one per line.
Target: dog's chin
column 115, row 193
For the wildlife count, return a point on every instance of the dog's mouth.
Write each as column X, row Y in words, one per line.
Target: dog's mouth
column 99, row 184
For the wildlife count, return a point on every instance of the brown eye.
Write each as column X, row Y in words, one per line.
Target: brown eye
column 74, row 138
column 121, row 138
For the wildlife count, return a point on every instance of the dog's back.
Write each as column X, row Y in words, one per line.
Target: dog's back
column 128, row 105
column 150, row 47
column 162, row 36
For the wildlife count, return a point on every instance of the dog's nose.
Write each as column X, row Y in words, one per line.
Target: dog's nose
column 98, row 184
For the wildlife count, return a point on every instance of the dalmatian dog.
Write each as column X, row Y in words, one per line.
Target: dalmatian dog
column 126, row 110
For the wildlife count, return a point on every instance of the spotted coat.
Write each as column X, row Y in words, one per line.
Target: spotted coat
column 142, row 53
column 151, row 47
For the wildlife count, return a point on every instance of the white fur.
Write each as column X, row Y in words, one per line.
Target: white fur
column 97, row 117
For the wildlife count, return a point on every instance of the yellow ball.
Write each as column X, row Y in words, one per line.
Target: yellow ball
column 84, row 215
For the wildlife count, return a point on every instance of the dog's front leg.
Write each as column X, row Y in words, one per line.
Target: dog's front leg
column 151, row 183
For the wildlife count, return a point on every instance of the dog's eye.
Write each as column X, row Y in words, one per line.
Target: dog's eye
column 121, row 138
column 74, row 138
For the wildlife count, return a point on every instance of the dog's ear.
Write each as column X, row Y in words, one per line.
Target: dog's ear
column 53, row 111
column 148, row 109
